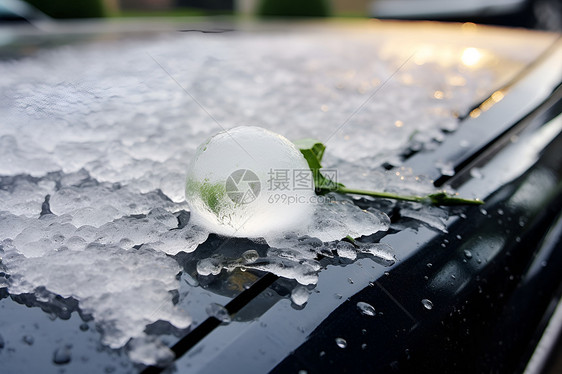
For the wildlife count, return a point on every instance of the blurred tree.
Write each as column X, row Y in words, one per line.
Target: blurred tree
column 70, row 8
column 294, row 8
column 206, row 4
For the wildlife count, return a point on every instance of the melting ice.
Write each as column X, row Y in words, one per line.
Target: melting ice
column 242, row 182
column 95, row 141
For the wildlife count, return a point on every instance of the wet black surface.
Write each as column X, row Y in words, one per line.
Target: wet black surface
column 35, row 335
column 487, row 303
column 492, row 280
column 480, row 301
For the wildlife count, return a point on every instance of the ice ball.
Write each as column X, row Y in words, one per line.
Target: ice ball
column 249, row 182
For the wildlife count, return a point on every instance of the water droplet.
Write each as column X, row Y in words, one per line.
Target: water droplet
column 300, row 295
column 250, row 256
column 427, row 304
column 483, row 211
column 544, row 263
column 453, row 276
column 500, row 212
column 462, row 215
column 84, row 326
column 350, row 280
column 364, row 331
column 363, row 346
column 338, row 296
column 467, row 254
column 341, row 342
column 209, row 266
column 322, row 354
column 475, row 173
column 62, row 356
column 459, row 237
column 429, row 265
column 446, row 168
column 366, row 309
column 219, row 312
column 28, row 339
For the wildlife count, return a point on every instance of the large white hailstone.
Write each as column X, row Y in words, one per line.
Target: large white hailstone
column 249, row 182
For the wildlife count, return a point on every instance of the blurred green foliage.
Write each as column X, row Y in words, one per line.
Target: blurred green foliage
column 294, row 8
column 70, row 8
column 176, row 12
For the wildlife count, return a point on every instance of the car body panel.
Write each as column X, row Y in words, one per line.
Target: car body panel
column 395, row 339
column 512, row 146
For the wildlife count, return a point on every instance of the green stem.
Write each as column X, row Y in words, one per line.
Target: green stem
column 386, row 195
column 439, row 198
column 313, row 150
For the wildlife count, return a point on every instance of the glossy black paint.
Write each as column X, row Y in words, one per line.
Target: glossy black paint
column 485, row 318
column 493, row 279
column 487, row 305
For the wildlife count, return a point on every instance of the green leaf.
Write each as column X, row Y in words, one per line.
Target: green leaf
column 313, row 151
column 442, row 198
